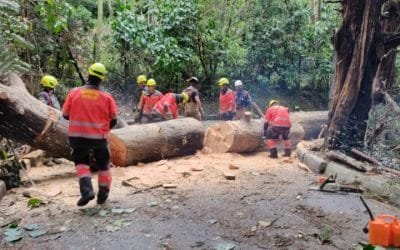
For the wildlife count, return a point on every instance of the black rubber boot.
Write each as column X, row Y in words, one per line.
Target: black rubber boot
column 288, row 152
column 87, row 194
column 102, row 195
column 273, row 153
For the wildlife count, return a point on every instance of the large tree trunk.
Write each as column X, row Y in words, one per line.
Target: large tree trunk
column 246, row 136
column 356, row 44
column 27, row 120
column 363, row 40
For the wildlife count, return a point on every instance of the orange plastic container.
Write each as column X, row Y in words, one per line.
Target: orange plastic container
column 396, row 234
column 384, row 231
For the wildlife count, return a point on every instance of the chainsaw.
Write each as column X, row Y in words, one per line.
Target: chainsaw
column 331, row 186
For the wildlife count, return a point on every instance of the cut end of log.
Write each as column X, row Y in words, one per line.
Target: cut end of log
column 219, row 137
column 118, row 150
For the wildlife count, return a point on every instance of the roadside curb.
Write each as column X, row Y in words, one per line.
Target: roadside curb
column 373, row 183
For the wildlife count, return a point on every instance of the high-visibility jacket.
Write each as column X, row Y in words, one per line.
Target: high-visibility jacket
column 90, row 112
column 149, row 100
column 227, row 101
column 278, row 116
column 168, row 101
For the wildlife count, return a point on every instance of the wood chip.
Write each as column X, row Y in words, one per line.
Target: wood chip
column 170, row 185
column 233, row 167
column 197, row 168
column 162, row 162
column 229, row 176
column 303, row 167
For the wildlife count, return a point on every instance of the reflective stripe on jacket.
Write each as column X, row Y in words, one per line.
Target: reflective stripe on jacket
column 169, row 101
column 278, row 116
column 227, row 101
column 90, row 112
column 149, row 100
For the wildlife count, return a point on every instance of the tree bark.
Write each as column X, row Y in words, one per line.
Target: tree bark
column 27, row 120
column 358, row 49
column 155, row 141
column 246, row 136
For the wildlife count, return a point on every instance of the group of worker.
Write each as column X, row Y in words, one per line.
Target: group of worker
column 154, row 107
column 92, row 113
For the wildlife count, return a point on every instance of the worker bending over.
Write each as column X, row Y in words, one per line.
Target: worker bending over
column 46, row 95
column 148, row 100
column 193, row 106
column 277, row 123
column 227, row 106
column 168, row 107
column 91, row 114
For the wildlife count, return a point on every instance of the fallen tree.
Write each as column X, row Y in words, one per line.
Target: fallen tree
column 246, row 135
column 25, row 119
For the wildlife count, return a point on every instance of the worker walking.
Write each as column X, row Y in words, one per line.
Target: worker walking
column 149, row 99
column 141, row 81
column 227, row 105
column 47, row 95
column 193, row 106
column 91, row 114
column 243, row 100
column 168, row 107
column 277, row 123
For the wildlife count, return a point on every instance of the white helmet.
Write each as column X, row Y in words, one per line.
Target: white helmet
column 238, row 83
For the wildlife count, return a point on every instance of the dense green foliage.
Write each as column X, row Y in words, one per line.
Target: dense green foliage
column 268, row 44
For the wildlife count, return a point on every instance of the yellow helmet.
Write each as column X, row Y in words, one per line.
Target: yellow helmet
column 49, row 81
column 272, row 102
column 185, row 97
column 223, row 81
column 98, row 69
column 141, row 79
column 151, row 82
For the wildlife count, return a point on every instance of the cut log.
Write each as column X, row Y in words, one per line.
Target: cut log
column 365, row 156
column 246, row 136
column 27, row 120
column 155, row 141
column 338, row 156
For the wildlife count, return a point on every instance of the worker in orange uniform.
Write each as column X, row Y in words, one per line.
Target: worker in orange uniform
column 277, row 123
column 149, row 99
column 227, row 105
column 168, row 107
column 91, row 114
column 193, row 106
column 141, row 81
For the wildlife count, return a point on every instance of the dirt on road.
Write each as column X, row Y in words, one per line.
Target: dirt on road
column 266, row 206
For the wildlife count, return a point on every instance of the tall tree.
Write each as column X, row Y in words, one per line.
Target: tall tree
column 99, row 26
column 360, row 44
